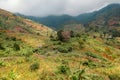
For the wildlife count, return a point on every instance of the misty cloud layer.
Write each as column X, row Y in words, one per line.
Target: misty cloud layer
column 53, row 7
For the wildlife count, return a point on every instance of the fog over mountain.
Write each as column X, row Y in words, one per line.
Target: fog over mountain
column 53, row 7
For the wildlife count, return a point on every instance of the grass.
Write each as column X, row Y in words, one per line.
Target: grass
column 51, row 63
column 33, row 55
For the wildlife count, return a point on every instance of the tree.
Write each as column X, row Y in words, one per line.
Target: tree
column 64, row 35
column 72, row 33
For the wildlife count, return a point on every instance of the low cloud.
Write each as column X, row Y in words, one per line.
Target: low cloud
column 53, row 7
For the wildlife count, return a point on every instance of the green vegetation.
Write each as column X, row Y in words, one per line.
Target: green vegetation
column 64, row 68
column 32, row 51
column 34, row 66
column 65, row 49
column 114, row 77
column 2, row 64
column 93, row 55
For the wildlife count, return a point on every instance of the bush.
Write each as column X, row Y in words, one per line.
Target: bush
column 12, row 75
column 90, row 64
column 44, row 75
column 59, row 35
column 81, row 43
column 16, row 47
column 27, row 51
column 78, row 35
column 79, row 75
column 95, row 77
column 74, row 77
column 1, row 47
column 13, row 38
column 64, row 68
column 34, row 66
column 39, row 51
column 57, row 43
column 2, row 64
column 65, row 49
column 53, row 36
column 115, row 32
column 114, row 77
column 90, row 54
column 72, row 33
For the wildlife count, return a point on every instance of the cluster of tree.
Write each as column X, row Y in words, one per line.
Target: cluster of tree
column 63, row 35
column 115, row 32
column 66, row 35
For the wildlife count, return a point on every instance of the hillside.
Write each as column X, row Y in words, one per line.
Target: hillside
column 21, row 28
column 29, row 50
column 55, row 22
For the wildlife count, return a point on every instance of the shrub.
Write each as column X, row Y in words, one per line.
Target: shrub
column 64, row 69
column 114, row 77
column 72, row 33
column 1, row 47
column 59, row 35
column 107, row 49
column 81, row 43
column 34, row 66
column 28, row 59
column 13, row 38
column 78, row 75
column 90, row 54
column 115, row 32
column 90, row 64
column 2, row 64
column 16, row 47
column 47, row 75
column 51, row 36
column 43, row 75
column 12, row 75
column 74, row 77
column 57, row 43
column 78, row 35
column 39, row 51
column 27, row 51
column 95, row 77
column 64, row 49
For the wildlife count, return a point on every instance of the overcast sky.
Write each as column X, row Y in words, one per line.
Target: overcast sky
column 53, row 7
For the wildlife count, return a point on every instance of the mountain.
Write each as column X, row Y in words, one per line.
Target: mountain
column 52, row 21
column 57, row 22
column 107, row 20
column 29, row 50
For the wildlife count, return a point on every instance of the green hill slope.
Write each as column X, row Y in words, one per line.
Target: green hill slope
column 23, row 29
column 29, row 50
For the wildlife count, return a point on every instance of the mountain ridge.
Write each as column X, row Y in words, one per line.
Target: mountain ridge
column 86, row 18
